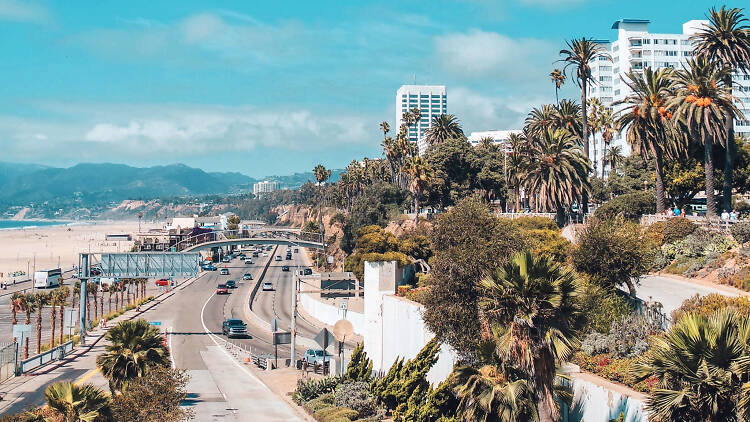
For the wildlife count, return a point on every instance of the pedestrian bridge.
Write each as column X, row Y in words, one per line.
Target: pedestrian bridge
column 268, row 236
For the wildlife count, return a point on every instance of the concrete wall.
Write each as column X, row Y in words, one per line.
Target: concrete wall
column 329, row 314
column 597, row 400
column 393, row 325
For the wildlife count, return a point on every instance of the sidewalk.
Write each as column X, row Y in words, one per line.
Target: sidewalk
column 27, row 390
column 671, row 290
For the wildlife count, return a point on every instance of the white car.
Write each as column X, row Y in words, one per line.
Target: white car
column 267, row 286
column 265, row 253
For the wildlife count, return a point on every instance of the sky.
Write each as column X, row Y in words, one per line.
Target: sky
column 275, row 87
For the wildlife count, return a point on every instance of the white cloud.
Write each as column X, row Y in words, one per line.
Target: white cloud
column 493, row 56
column 23, row 11
column 484, row 112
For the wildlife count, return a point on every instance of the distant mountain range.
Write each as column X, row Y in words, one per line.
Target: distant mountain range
column 21, row 184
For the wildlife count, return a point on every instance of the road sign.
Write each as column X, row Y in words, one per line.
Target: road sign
column 325, row 338
column 274, row 325
column 69, row 317
column 155, row 323
column 282, row 337
column 19, row 330
column 343, row 304
column 343, row 329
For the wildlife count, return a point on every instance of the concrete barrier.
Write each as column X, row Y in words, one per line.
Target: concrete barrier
column 55, row 354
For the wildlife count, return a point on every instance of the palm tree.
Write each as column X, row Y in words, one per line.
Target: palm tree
column 420, row 174
column 443, row 127
column 492, row 394
column 701, row 369
column 607, row 125
column 614, row 156
column 39, row 300
column 531, row 307
column 385, row 128
column 648, row 122
column 95, row 295
column 595, row 109
column 558, row 78
column 29, row 306
column 54, row 301
column 16, row 305
column 726, row 39
column 539, row 119
column 63, row 292
column 567, row 116
column 134, row 347
column 579, row 55
column 516, row 162
column 557, row 170
column 321, row 175
column 84, row 403
column 702, row 102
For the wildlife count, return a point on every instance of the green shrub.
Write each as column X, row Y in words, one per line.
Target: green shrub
column 536, row 223
column 709, row 304
column 311, row 388
column 335, row 414
column 602, row 307
column 360, row 366
column 630, row 205
column 356, row 395
column 627, row 338
column 741, row 231
column 321, row 402
column 677, row 229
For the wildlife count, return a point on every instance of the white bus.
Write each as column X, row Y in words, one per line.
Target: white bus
column 47, row 278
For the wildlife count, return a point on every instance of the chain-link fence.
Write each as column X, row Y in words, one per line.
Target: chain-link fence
column 7, row 360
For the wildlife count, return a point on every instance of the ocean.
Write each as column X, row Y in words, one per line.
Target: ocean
column 21, row 224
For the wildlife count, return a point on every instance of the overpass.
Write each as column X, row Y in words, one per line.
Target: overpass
column 255, row 236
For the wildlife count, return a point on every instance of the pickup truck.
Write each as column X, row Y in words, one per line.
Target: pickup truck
column 234, row 328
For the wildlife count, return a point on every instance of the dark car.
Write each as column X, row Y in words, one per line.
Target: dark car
column 209, row 267
column 234, row 328
column 285, row 268
column 231, row 284
column 255, row 254
column 222, row 289
column 307, row 271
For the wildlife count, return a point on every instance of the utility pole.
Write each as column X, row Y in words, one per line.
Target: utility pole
column 294, row 317
column 82, row 302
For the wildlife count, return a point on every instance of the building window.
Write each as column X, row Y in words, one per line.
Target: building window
column 656, row 42
column 687, row 53
column 605, row 79
column 671, row 53
column 647, row 41
column 617, row 92
column 605, row 68
column 615, row 48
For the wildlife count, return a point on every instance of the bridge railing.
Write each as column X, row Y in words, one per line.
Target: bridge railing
column 713, row 223
column 275, row 233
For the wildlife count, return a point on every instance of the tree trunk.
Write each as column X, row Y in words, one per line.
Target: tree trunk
column 631, row 286
column 39, row 329
column 96, row 305
column 544, row 373
column 726, row 200
column 709, row 166
column 660, row 203
column 109, row 302
column 53, row 320
column 585, row 132
column 416, row 208
column 62, row 321
column 557, row 97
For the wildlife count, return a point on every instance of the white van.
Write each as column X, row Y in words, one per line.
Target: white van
column 47, row 278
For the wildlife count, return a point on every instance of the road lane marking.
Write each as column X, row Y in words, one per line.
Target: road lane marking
column 86, row 376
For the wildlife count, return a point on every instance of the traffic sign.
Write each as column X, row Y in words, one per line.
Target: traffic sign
column 343, row 328
column 69, row 317
column 282, row 337
column 325, row 338
column 19, row 330
column 155, row 323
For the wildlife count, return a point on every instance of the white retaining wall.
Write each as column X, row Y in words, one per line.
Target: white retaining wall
column 596, row 403
column 393, row 325
column 329, row 314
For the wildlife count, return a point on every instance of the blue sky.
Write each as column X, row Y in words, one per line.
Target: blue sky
column 274, row 87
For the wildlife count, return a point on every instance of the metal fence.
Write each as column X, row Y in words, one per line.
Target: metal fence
column 8, row 353
column 57, row 353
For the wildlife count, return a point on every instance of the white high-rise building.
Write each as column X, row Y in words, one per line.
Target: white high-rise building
column 265, row 187
column 634, row 49
column 431, row 100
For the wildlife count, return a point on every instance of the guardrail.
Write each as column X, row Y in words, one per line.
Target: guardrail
column 54, row 354
column 714, row 223
column 8, row 353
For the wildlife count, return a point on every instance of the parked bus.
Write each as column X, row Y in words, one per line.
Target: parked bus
column 47, row 278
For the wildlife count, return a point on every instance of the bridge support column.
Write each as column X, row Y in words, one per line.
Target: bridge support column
column 82, row 300
column 294, row 319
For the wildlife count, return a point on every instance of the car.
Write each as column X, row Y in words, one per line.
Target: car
column 255, row 254
column 288, row 256
column 222, row 289
column 209, row 267
column 231, row 284
column 267, row 285
column 247, row 276
column 316, row 357
column 226, row 260
column 278, row 257
column 241, row 256
column 307, row 271
column 285, row 268
column 234, row 328
column 296, row 250
column 162, row 282
column 224, row 271
column 248, row 262
column 265, row 253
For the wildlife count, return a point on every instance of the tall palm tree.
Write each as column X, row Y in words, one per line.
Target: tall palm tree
column 54, row 301
column 607, row 125
column 29, row 306
column 516, row 162
column 558, row 78
column 420, row 174
column 16, row 305
column 648, row 123
column 74, row 403
column 40, row 300
column 578, row 55
column 726, row 39
column 133, row 347
column 531, row 307
column 702, row 102
column 95, row 296
column 614, row 157
column 557, row 170
column 385, row 128
column 63, row 292
column 701, row 366
column 492, row 394
column 321, row 175
column 442, row 128
column 595, row 109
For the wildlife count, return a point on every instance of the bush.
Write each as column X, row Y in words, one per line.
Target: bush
column 741, row 231
column 709, row 304
column 630, row 206
column 618, row 370
column 356, row 395
column 627, row 338
column 322, row 402
column 310, row 389
column 677, row 229
column 335, row 414
column 603, row 307
column 536, row 223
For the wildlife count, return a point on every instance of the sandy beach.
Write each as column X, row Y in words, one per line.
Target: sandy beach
column 53, row 247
